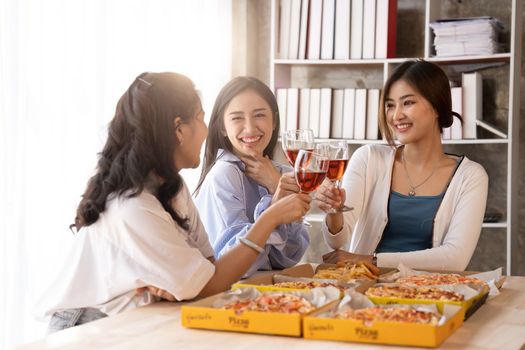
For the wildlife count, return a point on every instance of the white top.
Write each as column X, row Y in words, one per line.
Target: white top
column 457, row 224
column 134, row 243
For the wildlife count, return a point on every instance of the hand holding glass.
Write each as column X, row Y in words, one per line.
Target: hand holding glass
column 337, row 152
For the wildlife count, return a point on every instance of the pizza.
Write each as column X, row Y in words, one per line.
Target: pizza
column 425, row 293
column 440, row 278
column 305, row 285
column 390, row 314
column 283, row 303
column 346, row 271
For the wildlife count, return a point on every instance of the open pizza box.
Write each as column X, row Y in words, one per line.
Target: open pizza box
column 322, row 325
column 473, row 298
column 209, row 313
column 299, row 273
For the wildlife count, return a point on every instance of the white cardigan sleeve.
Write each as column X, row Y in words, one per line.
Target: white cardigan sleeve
column 460, row 240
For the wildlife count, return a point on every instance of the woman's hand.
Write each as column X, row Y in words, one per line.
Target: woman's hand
column 287, row 186
column 342, row 255
column 157, row 292
column 329, row 196
column 289, row 209
column 262, row 170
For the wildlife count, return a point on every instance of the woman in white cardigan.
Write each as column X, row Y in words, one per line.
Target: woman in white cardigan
column 413, row 203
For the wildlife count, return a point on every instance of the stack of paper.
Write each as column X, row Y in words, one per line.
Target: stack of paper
column 467, row 36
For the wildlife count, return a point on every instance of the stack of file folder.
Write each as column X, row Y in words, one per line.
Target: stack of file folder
column 467, row 36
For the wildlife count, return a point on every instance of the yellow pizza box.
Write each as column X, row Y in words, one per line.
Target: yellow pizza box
column 201, row 314
column 470, row 305
column 393, row 333
column 464, row 305
column 264, row 281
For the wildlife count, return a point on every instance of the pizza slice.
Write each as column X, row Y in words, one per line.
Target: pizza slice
column 390, row 314
column 281, row 302
column 420, row 293
column 440, row 278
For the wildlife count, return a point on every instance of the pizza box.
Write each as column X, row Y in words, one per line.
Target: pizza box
column 470, row 305
column 264, row 282
column 304, row 272
column 202, row 314
column 471, row 297
column 392, row 333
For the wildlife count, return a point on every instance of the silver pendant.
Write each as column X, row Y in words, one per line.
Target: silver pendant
column 412, row 193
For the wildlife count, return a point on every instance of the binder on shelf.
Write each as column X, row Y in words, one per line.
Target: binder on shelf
column 292, row 111
column 385, row 38
column 369, row 28
column 342, row 30
column 356, row 31
column 304, row 108
column 327, row 30
column 303, row 29
column 284, row 28
column 295, row 27
column 281, row 95
column 314, row 29
column 325, row 111
column 472, row 103
column 372, row 114
column 360, row 114
column 315, row 105
column 337, row 114
column 456, row 130
column 447, row 133
column 348, row 113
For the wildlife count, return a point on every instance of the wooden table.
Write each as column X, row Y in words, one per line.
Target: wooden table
column 499, row 324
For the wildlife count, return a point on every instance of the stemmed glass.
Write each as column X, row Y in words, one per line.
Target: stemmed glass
column 310, row 170
column 295, row 140
column 337, row 152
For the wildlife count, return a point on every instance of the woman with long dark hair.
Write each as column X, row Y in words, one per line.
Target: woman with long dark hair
column 139, row 235
column 413, row 203
column 240, row 181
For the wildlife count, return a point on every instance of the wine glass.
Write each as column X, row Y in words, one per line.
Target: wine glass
column 295, row 140
column 310, row 170
column 337, row 153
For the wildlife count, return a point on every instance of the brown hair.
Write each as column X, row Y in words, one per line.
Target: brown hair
column 216, row 130
column 431, row 82
column 141, row 139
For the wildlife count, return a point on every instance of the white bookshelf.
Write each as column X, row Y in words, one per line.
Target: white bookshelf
column 304, row 73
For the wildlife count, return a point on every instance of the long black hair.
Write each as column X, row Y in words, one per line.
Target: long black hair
column 141, row 140
column 217, row 138
column 431, row 82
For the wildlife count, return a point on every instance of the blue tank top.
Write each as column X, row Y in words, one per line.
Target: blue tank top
column 410, row 223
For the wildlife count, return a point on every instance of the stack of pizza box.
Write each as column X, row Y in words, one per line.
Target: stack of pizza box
column 328, row 300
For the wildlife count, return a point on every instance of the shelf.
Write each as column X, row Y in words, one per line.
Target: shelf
column 499, row 57
column 501, row 73
column 494, row 225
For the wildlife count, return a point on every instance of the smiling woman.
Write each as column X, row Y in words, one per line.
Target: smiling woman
column 413, row 203
column 57, row 95
column 239, row 180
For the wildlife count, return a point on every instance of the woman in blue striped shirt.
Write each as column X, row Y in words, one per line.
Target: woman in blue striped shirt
column 239, row 179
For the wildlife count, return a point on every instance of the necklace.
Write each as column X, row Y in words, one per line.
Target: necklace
column 412, row 192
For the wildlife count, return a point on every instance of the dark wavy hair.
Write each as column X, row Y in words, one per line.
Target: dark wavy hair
column 141, row 140
column 431, row 82
column 217, row 138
